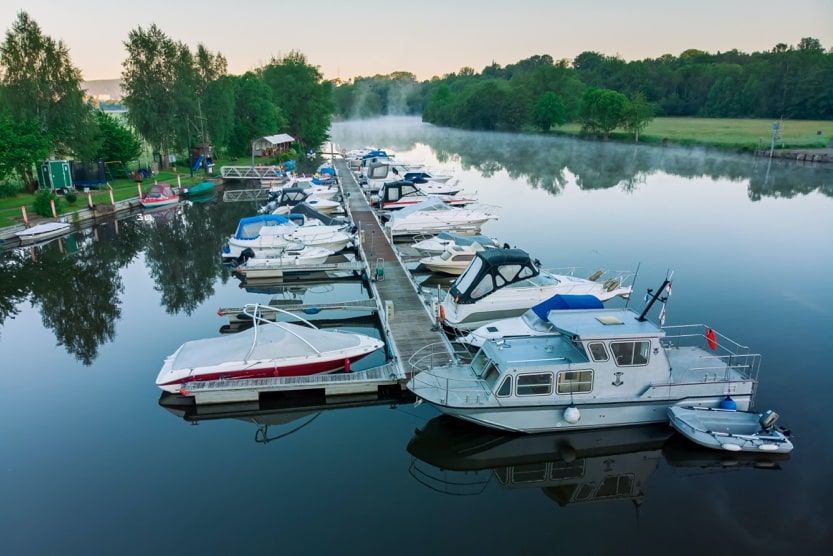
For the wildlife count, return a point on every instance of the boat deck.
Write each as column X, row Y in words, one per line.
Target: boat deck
column 691, row 364
column 411, row 328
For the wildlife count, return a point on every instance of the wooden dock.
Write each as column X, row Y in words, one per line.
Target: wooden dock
column 411, row 329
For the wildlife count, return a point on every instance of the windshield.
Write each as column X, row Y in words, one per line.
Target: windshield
column 464, row 282
column 478, row 364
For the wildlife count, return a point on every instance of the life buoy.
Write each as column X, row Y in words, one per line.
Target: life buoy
column 711, row 338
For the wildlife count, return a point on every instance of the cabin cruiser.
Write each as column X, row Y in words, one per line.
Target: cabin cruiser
column 377, row 174
column 418, row 173
column 282, row 201
column 504, row 283
column 270, row 234
column 604, row 368
column 292, row 257
column 433, row 216
column 533, row 322
column 434, row 245
column 320, row 190
column 454, row 260
column 268, row 349
column 400, row 194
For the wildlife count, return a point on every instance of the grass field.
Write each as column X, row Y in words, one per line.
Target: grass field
column 743, row 134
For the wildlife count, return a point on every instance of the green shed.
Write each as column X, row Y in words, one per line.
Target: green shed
column 55, row 174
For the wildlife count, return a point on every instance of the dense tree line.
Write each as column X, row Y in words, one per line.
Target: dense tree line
column 605, row 92
column 398, row 93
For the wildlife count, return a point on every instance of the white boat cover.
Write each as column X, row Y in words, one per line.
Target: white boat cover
column 44, row 228
column 430, row 203
column 273, row 342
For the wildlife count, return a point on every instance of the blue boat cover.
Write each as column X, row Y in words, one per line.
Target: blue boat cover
column 375, row 154
column 289, row 165
column 560, row 302
column 249, row 228
column 327, row 170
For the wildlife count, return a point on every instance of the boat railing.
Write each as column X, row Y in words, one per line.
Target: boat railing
column 436, row 354
column 466, row 390
column 728, row 353
column 253, row 310
column 623, row 278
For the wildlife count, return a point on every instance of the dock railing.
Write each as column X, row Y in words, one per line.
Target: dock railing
column 730, row 355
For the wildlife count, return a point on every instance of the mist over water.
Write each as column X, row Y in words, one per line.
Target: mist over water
column 93, row 464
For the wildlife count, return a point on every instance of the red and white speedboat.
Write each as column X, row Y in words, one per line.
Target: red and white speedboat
column 160, row 195
column 268, row 349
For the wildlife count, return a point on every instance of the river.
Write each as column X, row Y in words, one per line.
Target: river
column 91, row 463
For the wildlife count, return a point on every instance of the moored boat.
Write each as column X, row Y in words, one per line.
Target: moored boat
column 42, row 232
column 160, row 195
column 454, row 260
column 434, row 245
column 433, row 216
column 201, row 188
column 268, row 349
column 270, row 234
column 731, row 430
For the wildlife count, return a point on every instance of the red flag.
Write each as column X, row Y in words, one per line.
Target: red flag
column 711, row 338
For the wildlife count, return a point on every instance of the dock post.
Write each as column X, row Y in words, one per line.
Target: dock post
column 89, row 199
column 178, row 181
column 112, row 199
column 25, row 215
column 52, row 206
column 139, row 187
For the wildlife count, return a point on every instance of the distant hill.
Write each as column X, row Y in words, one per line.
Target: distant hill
column 110, row 87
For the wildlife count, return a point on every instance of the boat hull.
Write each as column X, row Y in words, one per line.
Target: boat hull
column 27, row 239
column 151, row 204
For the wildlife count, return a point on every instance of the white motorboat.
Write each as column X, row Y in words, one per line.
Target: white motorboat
column 731, row 430
column 316, row 191
column 504, row 283
column 268, row 349
column 454, row 260
column 282, row 200
column 604, row 368
column 534, row 322
column 419, row 174
column 42, row 232
column 434, row 245
column 400, row 194
column 269, row 235
column 433, row 216
column 286, row 260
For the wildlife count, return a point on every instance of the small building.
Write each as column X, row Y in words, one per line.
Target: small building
column 272, row 144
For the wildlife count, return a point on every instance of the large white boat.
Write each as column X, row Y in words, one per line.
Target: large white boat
column 270, row 234
column 308, row 185
column 268, row 349
column 604, row 368
column 419, row 174
column 400, row 194
column 532, row 323
column 287, row 260
column 283, row 200
column 504, row 283
column 434, row 245
column 433, row 216
column 454, row 260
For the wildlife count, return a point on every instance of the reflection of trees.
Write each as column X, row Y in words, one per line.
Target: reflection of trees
column 183, row 252
column 542, row 160
column 14, row 285
column 78, row 293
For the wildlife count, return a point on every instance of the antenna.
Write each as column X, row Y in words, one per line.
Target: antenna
column 635, row 276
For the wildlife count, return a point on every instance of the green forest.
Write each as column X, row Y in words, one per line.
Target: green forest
column 603, row 93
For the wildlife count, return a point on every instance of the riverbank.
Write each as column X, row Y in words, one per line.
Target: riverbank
column 736, row 134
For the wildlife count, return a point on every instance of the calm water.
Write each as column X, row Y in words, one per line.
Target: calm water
column 92, row 464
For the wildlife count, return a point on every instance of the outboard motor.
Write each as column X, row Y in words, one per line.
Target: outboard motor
column 768, row 419
column 245, row 255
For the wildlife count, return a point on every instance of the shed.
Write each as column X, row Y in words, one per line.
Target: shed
column 272, row 144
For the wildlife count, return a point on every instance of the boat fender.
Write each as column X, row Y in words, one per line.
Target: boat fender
column 768, row 447
column 347, row 365
column 442, row 313
column 728, row 404
column 572, row 414
column 730, row 447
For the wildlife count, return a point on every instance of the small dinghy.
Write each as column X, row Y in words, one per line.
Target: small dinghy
column 42, row 232
column 734, row 431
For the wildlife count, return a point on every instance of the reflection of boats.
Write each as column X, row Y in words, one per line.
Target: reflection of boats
column 585, row 466
column 734, row 431
column 268, row 349
column 434, row 216
column 160, row 195
column 533, row 322
column 504, row 283
column 603, row 368
column 42, row 232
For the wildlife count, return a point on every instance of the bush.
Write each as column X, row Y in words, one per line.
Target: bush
column 42, row 205
column 10, row 188
column 71, row 197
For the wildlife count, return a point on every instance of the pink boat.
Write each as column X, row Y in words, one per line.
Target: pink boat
column 160, row 195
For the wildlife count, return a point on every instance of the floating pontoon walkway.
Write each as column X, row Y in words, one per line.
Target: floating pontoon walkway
column 410, row 329
column 354, row 305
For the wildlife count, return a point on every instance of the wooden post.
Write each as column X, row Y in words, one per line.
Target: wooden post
column 52, row 206
column 155, row 182
column 178, row 181
column 90, row 200
column 25, row 216
column 112, row 199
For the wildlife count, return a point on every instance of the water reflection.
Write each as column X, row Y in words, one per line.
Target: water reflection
column 549, row 162
column 75, row 282
column 458, row 458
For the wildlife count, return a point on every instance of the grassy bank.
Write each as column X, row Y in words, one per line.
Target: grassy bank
column 728, row 133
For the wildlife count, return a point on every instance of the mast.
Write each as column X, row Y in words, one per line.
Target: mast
column 654, row 297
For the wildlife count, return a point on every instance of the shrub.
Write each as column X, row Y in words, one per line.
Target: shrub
column 10, row 188
column 42, row 206
column 71, row 197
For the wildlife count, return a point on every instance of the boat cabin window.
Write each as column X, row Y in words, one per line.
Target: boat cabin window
column 408, row 190
column 484, row 287
column 490, row 375
column 629, row 354
column 575, row 382
column 468, row 277
column 508, row 271
column 505, row 388
column 598, row 351
column 393, row 194
column 480, row 362
column 538, row 384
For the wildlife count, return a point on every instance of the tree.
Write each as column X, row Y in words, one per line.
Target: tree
column 302, row 96
column 150, row 90
column 549, row 111
column 638, row 114
column 118, row 143
column 218, row 110
column 255, row 115
column 602, row 110
column 41, row 87
column 23, row 144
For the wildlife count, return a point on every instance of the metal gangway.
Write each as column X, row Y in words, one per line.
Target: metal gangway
column 252, row 173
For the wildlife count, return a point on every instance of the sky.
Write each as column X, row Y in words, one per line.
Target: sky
column 428, row 37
